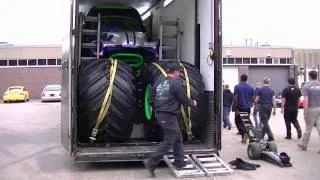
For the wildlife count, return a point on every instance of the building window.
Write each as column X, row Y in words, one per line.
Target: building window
column 230, row 60
column 254, row 61
column 58, row 61
column 224, row 60
column 246, row 60
column 238, row 60
column 51, row 61
column 289, row 60
column 283, row 60
column 32, row 62
column 42, row 62
column 23, row 62
column 3, row 62
column 13, row 62
column 261, row 60
column 276, row 61
column 268, row 60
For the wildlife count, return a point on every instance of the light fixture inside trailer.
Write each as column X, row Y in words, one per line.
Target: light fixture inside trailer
column 167, row 2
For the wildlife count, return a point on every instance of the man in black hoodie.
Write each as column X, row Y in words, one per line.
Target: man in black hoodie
column 169, row 94
column 227, row 104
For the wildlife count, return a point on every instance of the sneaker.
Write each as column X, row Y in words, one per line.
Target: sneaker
column 288, row 137
column 150, row 169
column 229, row 128
column 180, row 165
column 302, row 147
column 299, row 135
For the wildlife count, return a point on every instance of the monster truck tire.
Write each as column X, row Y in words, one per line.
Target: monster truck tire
column 93, row 82
column 152, row 74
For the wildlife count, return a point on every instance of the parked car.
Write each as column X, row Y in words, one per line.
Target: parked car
column 51, row 93
column 301, row 102
column 16, row 93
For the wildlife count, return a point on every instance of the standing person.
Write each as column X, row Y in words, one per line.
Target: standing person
column 257, row 122
column 311, row 107
column 168, row 97
column 227, row 103
column 243, row 101
column 267, row 100
column 289, row 106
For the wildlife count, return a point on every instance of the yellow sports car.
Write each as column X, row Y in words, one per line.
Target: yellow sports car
column 16, row 93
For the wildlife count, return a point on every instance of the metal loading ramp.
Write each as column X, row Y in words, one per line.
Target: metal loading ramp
column 198, row 165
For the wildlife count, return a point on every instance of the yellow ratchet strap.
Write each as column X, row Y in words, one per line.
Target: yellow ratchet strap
column 107, row 100
column 160, row 69
column 187, row 120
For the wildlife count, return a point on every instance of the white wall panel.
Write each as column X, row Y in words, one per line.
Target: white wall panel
column 230, row 76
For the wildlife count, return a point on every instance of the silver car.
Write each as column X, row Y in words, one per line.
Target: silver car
column 51, row 93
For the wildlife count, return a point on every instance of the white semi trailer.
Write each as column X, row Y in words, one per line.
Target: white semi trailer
column 181, row 30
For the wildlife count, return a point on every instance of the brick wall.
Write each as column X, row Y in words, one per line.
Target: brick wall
column 34, row 79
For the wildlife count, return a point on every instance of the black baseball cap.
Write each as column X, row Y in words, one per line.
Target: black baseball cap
column 172, row 66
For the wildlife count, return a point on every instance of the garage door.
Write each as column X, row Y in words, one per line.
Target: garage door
column 278, row 76
column 230, row 76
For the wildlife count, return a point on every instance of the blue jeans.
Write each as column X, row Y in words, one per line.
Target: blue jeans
column 257, row 122
column 226, row 117
column 265, row 114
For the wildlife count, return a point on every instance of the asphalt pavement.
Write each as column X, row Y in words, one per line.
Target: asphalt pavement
column 31, row 149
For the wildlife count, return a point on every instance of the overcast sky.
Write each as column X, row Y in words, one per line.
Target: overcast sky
column 278, row 22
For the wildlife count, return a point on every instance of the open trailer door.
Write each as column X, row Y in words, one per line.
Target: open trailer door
column 67, row 84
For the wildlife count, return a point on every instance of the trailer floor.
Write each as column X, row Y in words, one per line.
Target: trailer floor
column 30, row 149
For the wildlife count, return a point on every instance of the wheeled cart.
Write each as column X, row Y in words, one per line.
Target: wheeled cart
column 259, row 148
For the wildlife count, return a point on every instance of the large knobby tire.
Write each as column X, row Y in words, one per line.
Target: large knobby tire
column 93, row 82
column 254, row 151
column 197, row 88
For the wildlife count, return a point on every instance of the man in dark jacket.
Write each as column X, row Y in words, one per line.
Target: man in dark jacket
column 290, row 102
column 169, row 94
column 227, row 103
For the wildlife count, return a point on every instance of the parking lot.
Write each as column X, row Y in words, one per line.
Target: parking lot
column 30, row 149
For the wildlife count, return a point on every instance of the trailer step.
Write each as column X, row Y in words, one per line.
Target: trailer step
column 191, row 170
column 170, row 35
column 83, row 58
column 170, row 23
column 211, row 164
column 88, row 45
column 169, row 48
column 89, row 32
column 199, row 165
column 91, row 19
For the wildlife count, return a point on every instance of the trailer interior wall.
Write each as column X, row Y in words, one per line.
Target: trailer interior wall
column 185, row 11
column 205, row 19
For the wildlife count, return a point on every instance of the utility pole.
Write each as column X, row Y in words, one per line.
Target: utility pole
column 305, row 72
column 318, row 72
